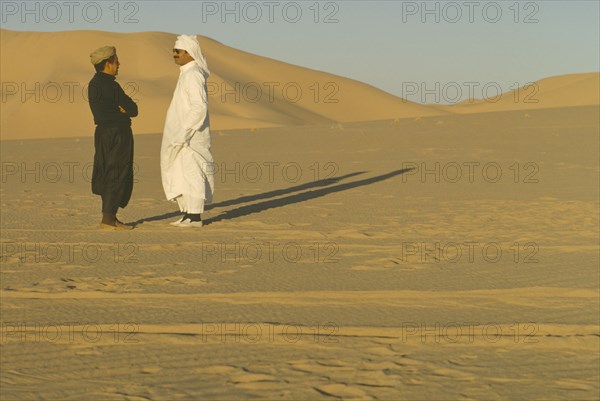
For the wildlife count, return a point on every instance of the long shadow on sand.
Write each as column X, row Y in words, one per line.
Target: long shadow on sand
column 253, row 198
column 304, row 196
column 279, row 192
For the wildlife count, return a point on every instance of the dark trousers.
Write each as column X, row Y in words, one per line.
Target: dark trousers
column 112, row 177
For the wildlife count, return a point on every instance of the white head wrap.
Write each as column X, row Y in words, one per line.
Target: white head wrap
column 190, row 44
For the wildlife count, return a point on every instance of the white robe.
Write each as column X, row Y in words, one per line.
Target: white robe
column 187, row 167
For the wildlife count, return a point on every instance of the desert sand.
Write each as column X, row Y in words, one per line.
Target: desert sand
column 432, row 255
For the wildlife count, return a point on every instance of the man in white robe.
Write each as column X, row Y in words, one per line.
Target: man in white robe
column 186, row 162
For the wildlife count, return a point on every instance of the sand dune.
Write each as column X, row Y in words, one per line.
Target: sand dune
column 554, row 92
column 46, row 98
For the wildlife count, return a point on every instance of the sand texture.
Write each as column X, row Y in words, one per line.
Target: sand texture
column 334, row 264
column 359, row 246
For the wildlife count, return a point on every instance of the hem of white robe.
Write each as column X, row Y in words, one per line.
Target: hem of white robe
column 189, row 204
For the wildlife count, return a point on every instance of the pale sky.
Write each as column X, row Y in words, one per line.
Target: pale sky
column 391, row 45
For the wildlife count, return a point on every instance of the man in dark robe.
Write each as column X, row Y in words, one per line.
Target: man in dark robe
column 112, row 176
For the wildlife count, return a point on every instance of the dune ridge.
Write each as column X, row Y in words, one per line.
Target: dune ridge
column 46, row 98
column 554, row 92
column 245, row 90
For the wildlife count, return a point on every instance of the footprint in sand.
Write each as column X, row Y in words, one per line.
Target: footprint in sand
column 343, row 391
column 375, row 378
column 381, row 351
column 378, row 374
column 309, row 366
column 330, row 369
column 216, row 370
column 150, row 370
column 255, row 381
column 251, row 378
column 88, row 352
column 454, row 374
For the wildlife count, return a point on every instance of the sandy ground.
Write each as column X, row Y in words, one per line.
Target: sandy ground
column 335, row 263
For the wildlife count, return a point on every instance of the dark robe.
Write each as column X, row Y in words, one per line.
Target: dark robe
column 112, row 176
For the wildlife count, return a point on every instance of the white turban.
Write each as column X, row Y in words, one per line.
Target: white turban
column 190, row 44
